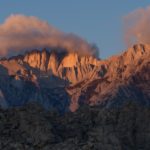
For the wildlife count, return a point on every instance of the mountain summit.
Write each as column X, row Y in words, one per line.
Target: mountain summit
column 65, row 80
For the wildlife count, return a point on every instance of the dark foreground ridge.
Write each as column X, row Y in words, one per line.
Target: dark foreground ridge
column 90, row 128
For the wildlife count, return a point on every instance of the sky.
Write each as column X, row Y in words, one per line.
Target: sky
column 97, row 21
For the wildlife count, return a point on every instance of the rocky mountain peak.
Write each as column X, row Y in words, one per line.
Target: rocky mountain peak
column 82, row 79
column 69, row 66
column 136, row 52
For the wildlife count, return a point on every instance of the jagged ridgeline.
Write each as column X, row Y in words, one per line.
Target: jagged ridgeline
column 65, row 80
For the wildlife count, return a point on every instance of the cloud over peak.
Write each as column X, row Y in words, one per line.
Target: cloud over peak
column 137, row 26
column 19, row 33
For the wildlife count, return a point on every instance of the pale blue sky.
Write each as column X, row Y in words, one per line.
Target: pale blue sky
column 97, row 21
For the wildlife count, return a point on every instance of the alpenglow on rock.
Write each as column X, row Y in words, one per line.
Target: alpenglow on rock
column 66, row 80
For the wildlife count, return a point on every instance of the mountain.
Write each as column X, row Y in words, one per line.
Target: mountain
column 122, row 77
column 63, row 81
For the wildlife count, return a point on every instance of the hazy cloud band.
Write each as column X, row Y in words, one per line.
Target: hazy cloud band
column 19, row 33
column 137, row 26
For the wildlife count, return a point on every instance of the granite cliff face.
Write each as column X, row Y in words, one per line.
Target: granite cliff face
column 68, row 66
column 64, row 81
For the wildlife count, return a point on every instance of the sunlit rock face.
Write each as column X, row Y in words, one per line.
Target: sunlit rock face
column 122, row 77
column 37, row 59
column 66, row 80
column 75, row 68
column 71, row 66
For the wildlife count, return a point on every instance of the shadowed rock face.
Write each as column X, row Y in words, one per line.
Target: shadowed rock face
column 89, row 128
column 64, row 81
